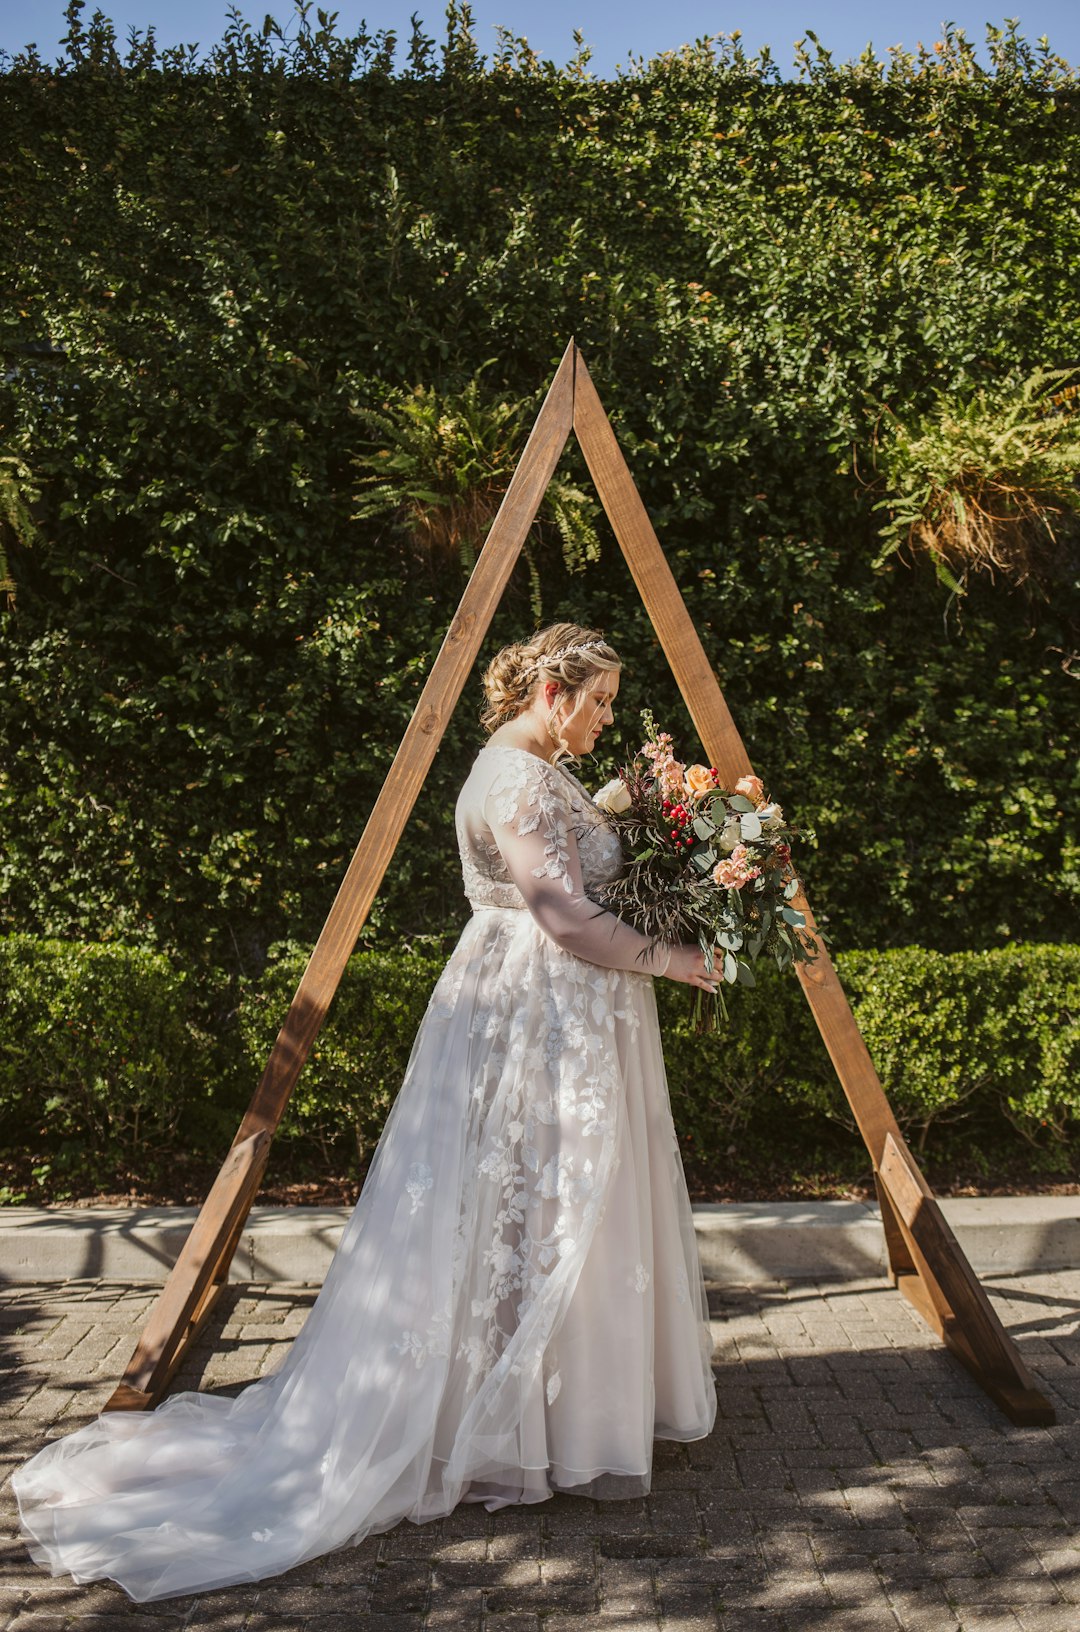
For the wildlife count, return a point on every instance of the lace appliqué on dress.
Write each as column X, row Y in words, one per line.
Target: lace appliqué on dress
column 528, row 797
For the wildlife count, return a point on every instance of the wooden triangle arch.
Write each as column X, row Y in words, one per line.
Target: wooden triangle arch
column 925, row 1259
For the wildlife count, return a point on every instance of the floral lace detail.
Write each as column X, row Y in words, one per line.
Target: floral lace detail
column 542, row 1164
column 486, row 1309
column 528, row 795
column 419, row 1181
column 433, row 1344
column 545, row 1101
column 531, row 795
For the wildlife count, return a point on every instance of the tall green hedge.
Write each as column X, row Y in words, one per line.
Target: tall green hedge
column 211, row 265
column 107, row 1074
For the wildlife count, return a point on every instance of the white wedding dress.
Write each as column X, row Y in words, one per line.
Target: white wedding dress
column 516, row 1305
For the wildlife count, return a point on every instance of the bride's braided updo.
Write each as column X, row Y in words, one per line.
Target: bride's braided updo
column 564, row 652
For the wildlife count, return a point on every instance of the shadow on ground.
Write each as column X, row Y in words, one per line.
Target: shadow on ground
column 856, row 1478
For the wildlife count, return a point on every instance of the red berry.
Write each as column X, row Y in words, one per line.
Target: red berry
column 674, row 833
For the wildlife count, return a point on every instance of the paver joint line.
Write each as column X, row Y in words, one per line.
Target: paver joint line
column 863, row 1483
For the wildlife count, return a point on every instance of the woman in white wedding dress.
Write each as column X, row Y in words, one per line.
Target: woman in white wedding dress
column 516, row 1305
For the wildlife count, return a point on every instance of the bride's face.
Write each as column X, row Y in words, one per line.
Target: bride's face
column 586, row 713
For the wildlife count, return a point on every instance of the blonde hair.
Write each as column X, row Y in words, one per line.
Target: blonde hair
column 564, row 652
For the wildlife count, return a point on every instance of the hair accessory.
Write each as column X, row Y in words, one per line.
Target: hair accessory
column 557, row 657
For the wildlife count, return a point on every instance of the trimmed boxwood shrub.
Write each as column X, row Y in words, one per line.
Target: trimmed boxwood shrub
column 99, row 1058
column 355, row 1068
column 969, row 1034
column 988, row 1037
column 104, row 1065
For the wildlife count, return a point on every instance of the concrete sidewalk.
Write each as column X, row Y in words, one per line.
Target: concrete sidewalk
column 739, row 1243
column 857, row 1480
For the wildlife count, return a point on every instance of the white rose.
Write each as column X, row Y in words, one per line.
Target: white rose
column 730, row 834
column 771, row 817
column 613, row 797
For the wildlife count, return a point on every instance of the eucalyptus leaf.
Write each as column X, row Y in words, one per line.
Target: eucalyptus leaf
column 740, row 802
column 731, row 968
column 745, row 975
column 750, row 826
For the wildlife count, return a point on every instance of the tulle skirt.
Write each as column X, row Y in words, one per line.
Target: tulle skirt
column 515, row 1308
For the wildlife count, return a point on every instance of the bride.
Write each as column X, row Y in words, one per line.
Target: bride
column 516, row 1305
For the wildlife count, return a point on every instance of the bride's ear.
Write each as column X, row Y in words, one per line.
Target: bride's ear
column 552, row 690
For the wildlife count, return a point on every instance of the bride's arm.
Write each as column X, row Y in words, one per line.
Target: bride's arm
column 527, row 812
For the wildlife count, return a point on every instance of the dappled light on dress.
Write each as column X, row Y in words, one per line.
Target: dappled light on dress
column 516, row 1305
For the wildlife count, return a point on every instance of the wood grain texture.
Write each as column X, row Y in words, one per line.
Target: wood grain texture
column 924, row 1255
column 719, row 735
column 413, row 760
column 188, row 1295
column 900, row 1260
column 185, row 1301
column 949, row 1295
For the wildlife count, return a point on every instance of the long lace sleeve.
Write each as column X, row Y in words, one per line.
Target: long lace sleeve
column 527, row 811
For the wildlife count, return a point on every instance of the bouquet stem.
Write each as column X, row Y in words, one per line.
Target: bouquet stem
column 708, row 1010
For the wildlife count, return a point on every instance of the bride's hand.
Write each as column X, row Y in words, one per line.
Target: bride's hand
column 687, row 964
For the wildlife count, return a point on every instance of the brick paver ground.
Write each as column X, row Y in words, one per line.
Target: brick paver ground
column 856, row 1480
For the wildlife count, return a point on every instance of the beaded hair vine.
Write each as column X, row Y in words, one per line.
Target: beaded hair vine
column 567, row 651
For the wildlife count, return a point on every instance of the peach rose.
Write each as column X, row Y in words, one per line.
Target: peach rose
column 699, row 781
column 751, row 787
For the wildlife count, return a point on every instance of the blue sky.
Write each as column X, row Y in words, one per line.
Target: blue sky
column 614, row 28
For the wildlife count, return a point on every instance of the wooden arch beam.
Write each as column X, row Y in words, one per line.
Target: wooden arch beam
column 925, row 1259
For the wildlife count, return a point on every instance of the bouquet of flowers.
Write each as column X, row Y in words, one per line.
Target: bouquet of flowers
column 704, row 865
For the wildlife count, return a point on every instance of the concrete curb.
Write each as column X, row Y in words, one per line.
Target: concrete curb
column 740, row 1243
